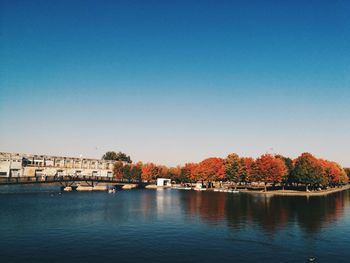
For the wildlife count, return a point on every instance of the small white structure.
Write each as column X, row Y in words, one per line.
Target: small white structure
column 198, row 186
column 163, row 182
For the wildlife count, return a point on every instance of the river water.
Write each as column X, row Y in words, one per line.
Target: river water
column 39, row 224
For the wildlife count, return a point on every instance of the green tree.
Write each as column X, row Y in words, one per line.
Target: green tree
column 185, row 174
column 308, row 170
column 111, row 155
column 127, row 172
column 174, row 173
column 136, row 171
column 247, row 164
column 233, row 168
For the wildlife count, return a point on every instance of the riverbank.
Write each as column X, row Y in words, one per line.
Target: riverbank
column 298, row 193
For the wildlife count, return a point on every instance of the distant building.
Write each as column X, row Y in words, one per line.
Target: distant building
column 165, row 182
column 19, row 164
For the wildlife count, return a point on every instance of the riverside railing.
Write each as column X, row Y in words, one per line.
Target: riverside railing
column 58, row 179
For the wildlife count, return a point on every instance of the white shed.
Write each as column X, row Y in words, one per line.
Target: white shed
column 164, row 182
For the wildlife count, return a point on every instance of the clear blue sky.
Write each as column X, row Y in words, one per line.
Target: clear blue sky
column 175, row 81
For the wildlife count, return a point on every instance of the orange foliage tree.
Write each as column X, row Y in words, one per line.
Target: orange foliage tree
column 333, row 172
column 189, row 171
column 211, row 169
column 150, row 171
column 269, row 169
column 306, row 170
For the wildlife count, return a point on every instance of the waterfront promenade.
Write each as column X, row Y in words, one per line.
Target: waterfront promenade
column 299, row 193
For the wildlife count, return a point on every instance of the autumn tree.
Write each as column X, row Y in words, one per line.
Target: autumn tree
column 269, row 169
column 308, row 170
column 174, row 173
column 150, row 172
column 210, row 169
column 147, row 171
column 290, row 166
column 184, row 175
column 344, row 177
column 163, row 171
column 247, row 164
column 188, row 171
column 334, row 173
column 233, row 168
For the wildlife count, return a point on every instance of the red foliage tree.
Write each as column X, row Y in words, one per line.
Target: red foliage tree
column 269, row 169
column 150, row 171
column 189, row 171
column 247, row 170
column 210, row 169
column 333, row 172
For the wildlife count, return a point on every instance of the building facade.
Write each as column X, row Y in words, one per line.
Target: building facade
column 19, row 164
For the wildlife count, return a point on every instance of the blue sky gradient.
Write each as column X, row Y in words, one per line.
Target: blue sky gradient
column 175, row 81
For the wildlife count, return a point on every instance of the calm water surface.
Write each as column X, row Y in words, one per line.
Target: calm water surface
column 42, row 225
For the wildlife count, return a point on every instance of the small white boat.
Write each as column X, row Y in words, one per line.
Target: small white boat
column 184, row 188
column 225, row 190
column 220, row 190
column 200, row 189
column 112, row 191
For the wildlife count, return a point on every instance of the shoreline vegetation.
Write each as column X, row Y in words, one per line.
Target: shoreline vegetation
column 267, row 174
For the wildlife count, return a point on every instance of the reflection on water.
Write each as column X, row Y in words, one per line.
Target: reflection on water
column 42, row 225
column 269, row 212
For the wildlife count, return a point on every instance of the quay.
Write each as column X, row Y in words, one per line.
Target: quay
column 299, row 193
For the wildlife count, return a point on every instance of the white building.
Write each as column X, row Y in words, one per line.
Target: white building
column 163, row 182
column 18, row 165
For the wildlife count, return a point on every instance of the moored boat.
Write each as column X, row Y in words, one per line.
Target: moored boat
column 200, row 189
column 112, row 191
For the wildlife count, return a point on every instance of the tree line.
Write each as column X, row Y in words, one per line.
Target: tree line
column 113, row 156
column 276, row 170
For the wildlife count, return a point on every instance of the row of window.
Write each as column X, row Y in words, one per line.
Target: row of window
column 16, row 173
column 68, row 163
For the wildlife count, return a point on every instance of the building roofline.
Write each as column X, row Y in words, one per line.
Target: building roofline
column 28, row 155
